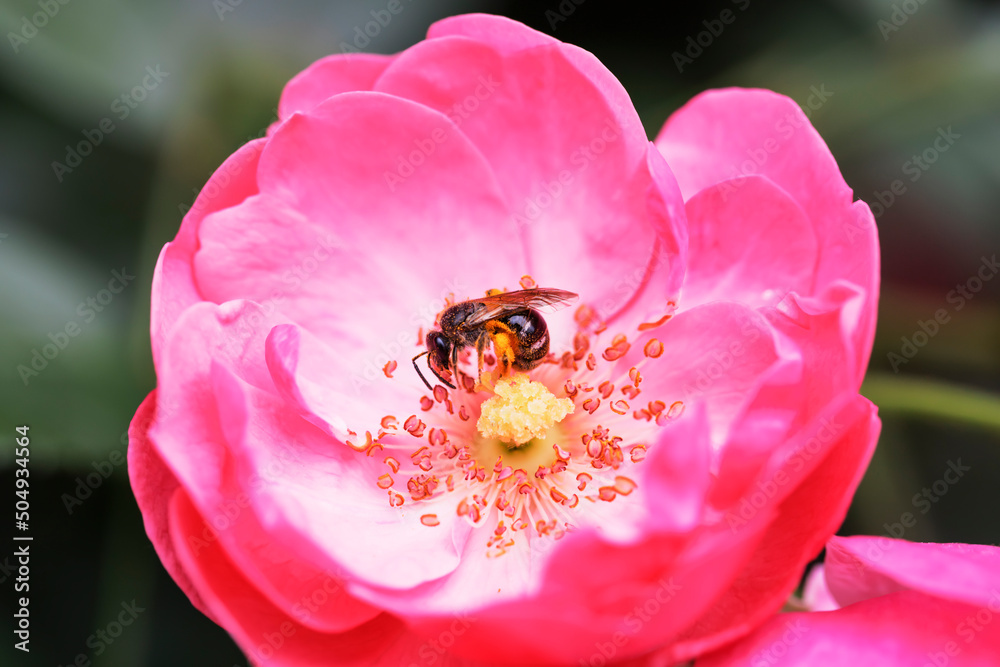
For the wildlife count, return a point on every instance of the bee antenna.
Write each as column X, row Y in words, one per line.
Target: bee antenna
column 443, row 380
column 417, row 368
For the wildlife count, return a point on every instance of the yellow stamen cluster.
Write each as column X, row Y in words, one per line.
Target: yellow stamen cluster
column 521, row 410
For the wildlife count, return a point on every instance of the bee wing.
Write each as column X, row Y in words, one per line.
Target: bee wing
column 539, row 298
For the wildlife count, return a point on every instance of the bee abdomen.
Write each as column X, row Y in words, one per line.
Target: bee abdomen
column 532, row 338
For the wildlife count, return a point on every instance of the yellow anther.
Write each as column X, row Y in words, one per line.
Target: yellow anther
column 521, row 410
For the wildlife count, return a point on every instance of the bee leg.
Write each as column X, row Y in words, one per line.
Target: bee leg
column 503, row 345
column 454, row 367
column 480, row 349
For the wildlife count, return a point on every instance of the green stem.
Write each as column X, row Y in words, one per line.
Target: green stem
column 932, row 398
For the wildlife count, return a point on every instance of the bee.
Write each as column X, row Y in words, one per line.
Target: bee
column 510, row 320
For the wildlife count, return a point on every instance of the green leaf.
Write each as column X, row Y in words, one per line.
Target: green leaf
column 933, row 399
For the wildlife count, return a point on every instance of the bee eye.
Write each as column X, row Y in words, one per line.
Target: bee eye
column 440, row 349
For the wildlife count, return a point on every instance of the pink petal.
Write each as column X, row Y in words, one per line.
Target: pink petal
column 814, row 337
column 329, row 76
column 632, row 597
column 373, row 543
column 572, row 170
column 649, row 590
column 862, row 567
column 731, row 133
column 825, row 328
column 507, row 37
column 677, row 473
column 154, row 485
column 715, row 353
column 233, row 443
column 275, row 639
column 724, row 134
column 864, row 260
column 353, row 258
column 904, row 628
column 804, row 499
column 500, row 32
column 646, row 292
column 310, row 375
column 816, row 595
column 752, row 245
column 629, row 588
column 200, row 413
column 285, row 567
column 174, row 289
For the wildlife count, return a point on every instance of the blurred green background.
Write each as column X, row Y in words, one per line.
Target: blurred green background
column 894, row 74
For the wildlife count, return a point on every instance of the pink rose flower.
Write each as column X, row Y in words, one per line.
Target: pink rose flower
column 887, row 602
column 309, row 494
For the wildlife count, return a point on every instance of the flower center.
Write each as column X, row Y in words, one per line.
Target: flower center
column 530, row 463
column 521, row 411
column 537, row 453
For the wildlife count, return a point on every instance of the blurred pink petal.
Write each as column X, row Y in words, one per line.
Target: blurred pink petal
column 903, row 628
column 904, row 604
column 862, row 567
column 816, row 595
